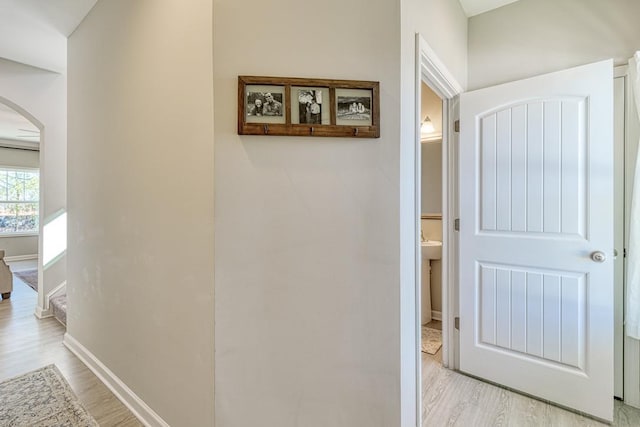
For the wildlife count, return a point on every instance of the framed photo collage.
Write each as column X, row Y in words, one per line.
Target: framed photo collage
column 308, row 107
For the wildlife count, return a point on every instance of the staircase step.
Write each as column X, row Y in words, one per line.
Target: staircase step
column 59, row 308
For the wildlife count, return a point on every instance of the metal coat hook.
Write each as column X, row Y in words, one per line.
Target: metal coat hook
column 312, row 130
column 355, row 131
column 266, row 129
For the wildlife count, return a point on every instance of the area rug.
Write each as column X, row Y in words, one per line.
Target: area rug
column 431, row 340
column 30, row 277
column 41, row 398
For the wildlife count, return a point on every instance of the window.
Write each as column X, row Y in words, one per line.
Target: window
column 19, row 201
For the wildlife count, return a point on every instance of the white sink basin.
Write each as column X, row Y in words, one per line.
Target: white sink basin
column 431, row 249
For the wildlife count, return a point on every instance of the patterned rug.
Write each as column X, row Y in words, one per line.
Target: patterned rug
column 41, row 398
column 431, row 340
column 30, row 277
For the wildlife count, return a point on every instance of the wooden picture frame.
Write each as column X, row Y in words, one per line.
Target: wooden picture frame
column 288, row 106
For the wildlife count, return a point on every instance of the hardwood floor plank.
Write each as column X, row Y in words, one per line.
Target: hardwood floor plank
column 626, row 416
column 450, row 398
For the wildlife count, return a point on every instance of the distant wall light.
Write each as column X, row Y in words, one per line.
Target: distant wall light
column 427, row 126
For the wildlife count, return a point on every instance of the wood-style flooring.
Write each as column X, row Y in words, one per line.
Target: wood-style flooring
column 449, row 398
column 27, row 343
column 452, row 399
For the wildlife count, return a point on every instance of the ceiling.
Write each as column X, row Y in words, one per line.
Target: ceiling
column 16, row 130
column 34, row 32
column 476, row 7
column 62, row 16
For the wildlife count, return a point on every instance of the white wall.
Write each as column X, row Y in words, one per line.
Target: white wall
column 140, row 287
column 41, row 96
column 443, row 25
column 19, row 246
column 431, row 185
column 532, row 37
column 307, row 255
column 13, row 157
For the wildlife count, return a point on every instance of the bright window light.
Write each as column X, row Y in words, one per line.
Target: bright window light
column 54, row 241
column 19, row 204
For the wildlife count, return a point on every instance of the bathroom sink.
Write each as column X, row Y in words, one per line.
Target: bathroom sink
column 431, row 249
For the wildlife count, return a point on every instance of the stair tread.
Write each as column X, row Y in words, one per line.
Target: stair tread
column 59, row 308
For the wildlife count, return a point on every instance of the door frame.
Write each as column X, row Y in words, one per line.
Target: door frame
column 631, row 347
column 431, row 70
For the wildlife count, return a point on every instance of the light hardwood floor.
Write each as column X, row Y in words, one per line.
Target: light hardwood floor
column 449, row 398
column 452, row 399
column 27, row 343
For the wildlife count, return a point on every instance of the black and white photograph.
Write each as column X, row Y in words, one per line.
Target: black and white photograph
column 265, row 104
column 357, row 108
column 310, row 106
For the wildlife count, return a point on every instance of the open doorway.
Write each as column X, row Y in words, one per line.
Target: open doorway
column 435, row 219
column 431, row 233
column 19, row 199
column 19, row 202
column 435, row 213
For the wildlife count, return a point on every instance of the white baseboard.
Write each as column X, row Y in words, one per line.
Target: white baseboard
column 46, row 311
column 145, row 414
column 42, row 313
column 436, row 315
column 62, row 287
column 10, row 259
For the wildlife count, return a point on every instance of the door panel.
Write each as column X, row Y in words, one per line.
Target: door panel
column 524, row 186
column 538, row 314
column 536, row 162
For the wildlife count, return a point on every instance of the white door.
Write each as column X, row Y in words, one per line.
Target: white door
column 536, row 236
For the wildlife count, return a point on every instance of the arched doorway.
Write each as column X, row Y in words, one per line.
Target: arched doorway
column 21, row 192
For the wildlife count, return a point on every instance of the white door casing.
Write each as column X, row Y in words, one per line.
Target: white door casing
column 618, row 263
column 536, row 201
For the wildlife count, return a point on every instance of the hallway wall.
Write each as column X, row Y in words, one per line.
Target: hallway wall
column 140, row 289
column 307, row 255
